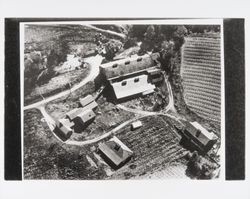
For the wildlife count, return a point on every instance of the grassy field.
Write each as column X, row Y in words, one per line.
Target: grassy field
column 42, row 39
column 56, row 85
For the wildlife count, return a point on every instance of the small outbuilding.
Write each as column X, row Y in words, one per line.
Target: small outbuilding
column 64, row 122
column 136, row 125
column 63, row 132
column 86, row 100
column 85, row 118
column 91, row 105
column 115, row 153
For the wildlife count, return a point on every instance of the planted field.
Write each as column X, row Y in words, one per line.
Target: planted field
column 156, row 148
column 201, row 74
column 45, row 157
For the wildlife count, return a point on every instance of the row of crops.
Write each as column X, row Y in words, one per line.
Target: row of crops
column 155, row 147
column 201, row 74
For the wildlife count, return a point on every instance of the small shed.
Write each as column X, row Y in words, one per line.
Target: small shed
column 136, row 125
column 85, row 118
column 63, row 132
column 86, row 100
column 115, row 153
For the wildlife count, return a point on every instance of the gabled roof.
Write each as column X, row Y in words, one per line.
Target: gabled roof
column 73, row 113
column 66, row 130
column 199, row 132
column 132, row 86
column 86, row 116
column 123, row 61
column 115, row 151
column 64, row 122
column 86, row 100
column 128, row 65
column 63, row 132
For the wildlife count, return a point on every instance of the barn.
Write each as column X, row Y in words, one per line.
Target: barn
column 129, row 65
column 115, row 153
column 131, row 86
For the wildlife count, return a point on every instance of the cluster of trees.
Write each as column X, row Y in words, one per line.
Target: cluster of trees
column 111, row 48
column 166, row 39
column 198, row 168
column 39, row 65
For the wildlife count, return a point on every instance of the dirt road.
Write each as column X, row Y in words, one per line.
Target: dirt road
column 122, row 36
column 94, row 62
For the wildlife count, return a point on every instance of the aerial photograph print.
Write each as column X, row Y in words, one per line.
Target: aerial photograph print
column 121, row 100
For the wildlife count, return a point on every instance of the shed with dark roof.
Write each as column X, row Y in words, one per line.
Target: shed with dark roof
column 63, row 132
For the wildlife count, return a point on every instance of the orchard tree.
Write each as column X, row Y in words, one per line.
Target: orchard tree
column 111, row 48
column 179, row 35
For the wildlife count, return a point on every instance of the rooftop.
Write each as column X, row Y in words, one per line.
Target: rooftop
column 199, row 132
column 132, row 86
column 115, row 151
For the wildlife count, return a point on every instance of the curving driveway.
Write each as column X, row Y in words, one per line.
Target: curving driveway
column 121, row 35
column 94, row 62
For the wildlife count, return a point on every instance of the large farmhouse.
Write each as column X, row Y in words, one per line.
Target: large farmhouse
column 132, row 76
column 199, row 136
column 129, row 65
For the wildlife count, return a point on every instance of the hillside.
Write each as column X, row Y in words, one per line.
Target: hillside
column 55, row 55
column 201, row 75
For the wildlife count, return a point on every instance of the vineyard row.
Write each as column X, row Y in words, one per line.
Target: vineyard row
column 203, row 99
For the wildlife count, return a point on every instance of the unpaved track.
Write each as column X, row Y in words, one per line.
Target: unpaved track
column 51, row 123
column 122, row 36
column 94, row 62
column 94, row 71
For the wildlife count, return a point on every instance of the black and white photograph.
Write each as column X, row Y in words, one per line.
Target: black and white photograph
column 122, row 100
